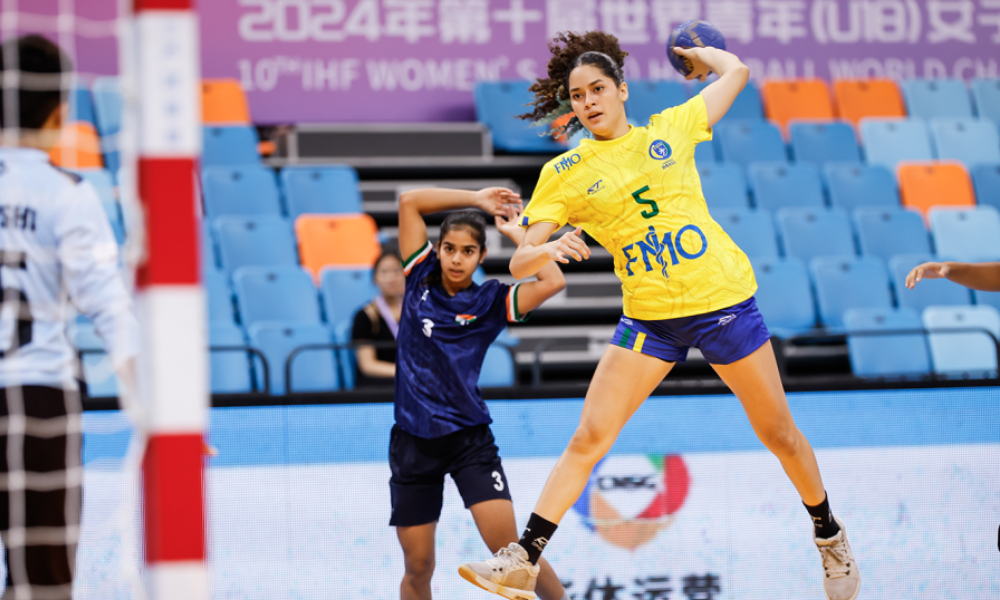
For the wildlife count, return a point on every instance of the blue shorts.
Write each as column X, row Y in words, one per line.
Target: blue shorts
column 723, row 336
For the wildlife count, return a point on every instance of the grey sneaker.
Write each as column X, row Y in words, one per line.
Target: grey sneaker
column 841, row 580
column 507, row 574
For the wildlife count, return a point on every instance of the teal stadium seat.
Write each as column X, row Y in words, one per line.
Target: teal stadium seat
column 108, row 110
column 986, row 93
column 987, row 298
column 345, row 357
column 889, row 141
column 209, row 253
column 852, row 186
column 81, row 104
column 748, row 104
column 961, row 354
column 325, row 190
column 929, row 292
column 970, row 235
column 886, row 232
column 229, row 370
column 807, row 233
column 781, row 185
column 751, row 230
column 345, row 292
column 497, row 103
column 284, row 294
column 823, row 142
column 972, row 141
column 706, row 153
column 498, row 368
column 724, row 185
column 747, row 141
column 98, row 372
column 312, row 370
column 229, row 145
column 930, row 98
column 246, row 190
column 104, row 183
column 843, row 283
column 986, row 179
column 886, row 355
column 220, row 298
column 259, row 240
column 647, row 98
column 784, row 295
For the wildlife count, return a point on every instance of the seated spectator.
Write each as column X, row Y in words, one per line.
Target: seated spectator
column 378, row 322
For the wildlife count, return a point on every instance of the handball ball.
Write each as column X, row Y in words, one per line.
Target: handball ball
column 692, row 34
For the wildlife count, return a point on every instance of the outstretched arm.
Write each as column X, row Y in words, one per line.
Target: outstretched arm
column 733, row 76
column 534, row 251
column 550, row 278
column 978, row 276
column 414, row 204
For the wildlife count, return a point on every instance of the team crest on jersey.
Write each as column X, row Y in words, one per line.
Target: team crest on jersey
column 660, row 150
column 595, row 188
column 465, row 319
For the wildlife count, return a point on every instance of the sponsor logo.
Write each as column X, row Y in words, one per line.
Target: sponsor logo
column 627, row 321
column 465, row 319
column 540, row 543
column 428, row 327
column 727, row 319
column 423, row 297
column 567, row 162
column 651, row 249
column 595, row 188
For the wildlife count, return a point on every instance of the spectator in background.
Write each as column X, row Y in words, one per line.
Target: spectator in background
column 378, row 322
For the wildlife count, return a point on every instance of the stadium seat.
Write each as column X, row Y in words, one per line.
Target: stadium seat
column 724, row 185
column 497, row 103
column 246, row 190
column 81, row 104
column 986, row 93
column 987, row 298
column 843, row 283
column 938, row 183
column 259, row 240
column 104, row 184
column 886, row 232
column 108, row 109
column 209, row 253
column 973, row 353
column 647, row 98
column 230, row 145
column 498, row 367
column 223, row 103
column 746, row 106
column 98, row 371
column 312, row 370
column 971, row 141
column 345, row 291
column 820, row 143
column 743, row 142
column 752, row 230
column 220, row 298
column 860, row 98
column 706, row 153
column 810, row 232
column 889, row 141
column 970, row 235
column 275, row 294
column 852, row 186
column 929, row 292
column 78, row 147
column 784, row 295
column 929, row 98
column 886, row 355
column 229, row 370
column 986, row 180
column 781, row 185
column 345, row 357
column 796, row 99
column 329, row 189
column 337, row 240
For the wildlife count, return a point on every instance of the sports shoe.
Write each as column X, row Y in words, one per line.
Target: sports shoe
column 508, row 573
column 841, row 580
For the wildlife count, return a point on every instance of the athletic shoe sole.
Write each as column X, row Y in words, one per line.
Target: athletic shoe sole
column 494, row 588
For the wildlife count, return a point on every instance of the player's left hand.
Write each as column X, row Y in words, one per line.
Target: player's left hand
column 499, row 201
column 699, row 70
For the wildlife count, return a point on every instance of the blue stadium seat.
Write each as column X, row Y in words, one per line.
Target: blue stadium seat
column 220, row 298
column 810, row 232
column 209, row 253
column 108, row 110
column 312, row 370
column 229, row 145
column 497, row 103
column 973, row 353
column 345, row 292
column 968, row 235
column 104, row 184
column 261, row 240
column 706, row 153
column 345, row 357
column 752, row 230
column 647, row 98
column 330, row 189
column 843, row 283
column 820, row 143
column 247, row 190
column 986, row 93
column 972, row 141
column 98, row 371
column 889, row 141
column 275, row 294
column 986, row 179
column 784, row 295
column 987, row 298
column 81, row 104
column 747, row 105
column 928, row 292
column 724, row 185
column 886, row 232
column 781, row 185
column 852, row 186
column 498, row 368
column 229, row 371
column 747, row 141
column 929, row 98
column 886, row 355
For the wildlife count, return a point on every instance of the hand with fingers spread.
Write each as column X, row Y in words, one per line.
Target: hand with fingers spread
column 928, row 270
column 508, row 225
column 569, row 245
column 499, row 201
column 699, row 69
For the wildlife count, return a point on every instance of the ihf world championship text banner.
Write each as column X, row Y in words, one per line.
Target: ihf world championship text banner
column 418, row 60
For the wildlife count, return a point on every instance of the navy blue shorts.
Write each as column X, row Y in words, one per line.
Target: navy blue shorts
column 723, row 336
column 419, row 465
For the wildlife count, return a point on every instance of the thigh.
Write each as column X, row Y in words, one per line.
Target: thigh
column 756, row 381
column 622, row 382
column 417, row 483
column 478, row 472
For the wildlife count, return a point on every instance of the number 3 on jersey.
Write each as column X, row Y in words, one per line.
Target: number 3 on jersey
column 21, row 334
column 653, row 209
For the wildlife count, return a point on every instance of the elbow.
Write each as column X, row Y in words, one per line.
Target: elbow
column 406, row 198
column 742, row 73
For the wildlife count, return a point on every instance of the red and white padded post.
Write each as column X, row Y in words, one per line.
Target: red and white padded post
column 173, row 383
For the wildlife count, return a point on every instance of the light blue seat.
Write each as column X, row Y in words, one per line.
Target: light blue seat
column 497, row 104
column 846, row 282
column 929, row 98
column 104, row 183
column 781, row 185
column 209, row 253
column 311, row 371
column 345, row 292
column 275, row 294
column 706, row 153
column 747, row 141
column 229, row 370
column 724, row 185
column 784, row 295
column 973, row 353
column 889, row 141
column 986, row 179
column 970, row 235
column 886, row 232
column 329, row 189
column 852, row 185
column 98, row 371
column 820, row 143
column 81, row 104
column 647, row 98
column 747, row 105
column 220, row 297
column 346, row 360
column 886, row 355
column 107, row 96
column 246, row 190
column 927, row 292
column 971, row 141
column 987, row 298
column 258, row 240
column 986, row 93
column 810, row 232
column 498, row 368
column 752, row 230
column 229, row 145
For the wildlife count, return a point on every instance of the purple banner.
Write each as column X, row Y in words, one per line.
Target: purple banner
column 88, row 34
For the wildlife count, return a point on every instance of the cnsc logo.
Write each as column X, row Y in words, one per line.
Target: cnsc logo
column 630, row 499
column 660, row 150
column 567, row 162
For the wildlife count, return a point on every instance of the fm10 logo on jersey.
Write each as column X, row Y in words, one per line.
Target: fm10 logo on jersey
column 567, row 162
column 651, row 248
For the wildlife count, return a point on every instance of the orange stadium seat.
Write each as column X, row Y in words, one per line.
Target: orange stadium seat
column 940, row 183
column 79, row 147
column 796, row 99
column 337, row 240
column 857, row 98
column 223, row 103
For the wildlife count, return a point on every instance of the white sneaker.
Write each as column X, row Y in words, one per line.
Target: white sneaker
column 841, row 580
column 508, row 573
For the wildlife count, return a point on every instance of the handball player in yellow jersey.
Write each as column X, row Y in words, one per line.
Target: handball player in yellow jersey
column 636, row 191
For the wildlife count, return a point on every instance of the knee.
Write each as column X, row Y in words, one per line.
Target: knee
column 591, row 442
column 783, row 440
column 419, row 569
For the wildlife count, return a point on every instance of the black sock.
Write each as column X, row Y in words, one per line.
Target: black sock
column 535, row 537
column 822, row 518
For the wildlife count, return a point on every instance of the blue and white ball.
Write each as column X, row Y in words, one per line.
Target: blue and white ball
column 692, row 34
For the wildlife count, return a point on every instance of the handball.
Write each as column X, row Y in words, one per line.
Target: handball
column 692, row 34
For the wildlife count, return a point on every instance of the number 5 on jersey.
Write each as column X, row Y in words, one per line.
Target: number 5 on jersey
column 653, row 209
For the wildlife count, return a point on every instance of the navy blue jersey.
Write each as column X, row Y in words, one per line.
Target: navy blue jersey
column 442, row 342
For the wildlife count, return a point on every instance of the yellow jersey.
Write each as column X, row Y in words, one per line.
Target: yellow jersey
column 640, row 197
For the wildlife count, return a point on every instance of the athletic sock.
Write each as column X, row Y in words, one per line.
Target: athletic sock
column 535, row 537
column 822, row 518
